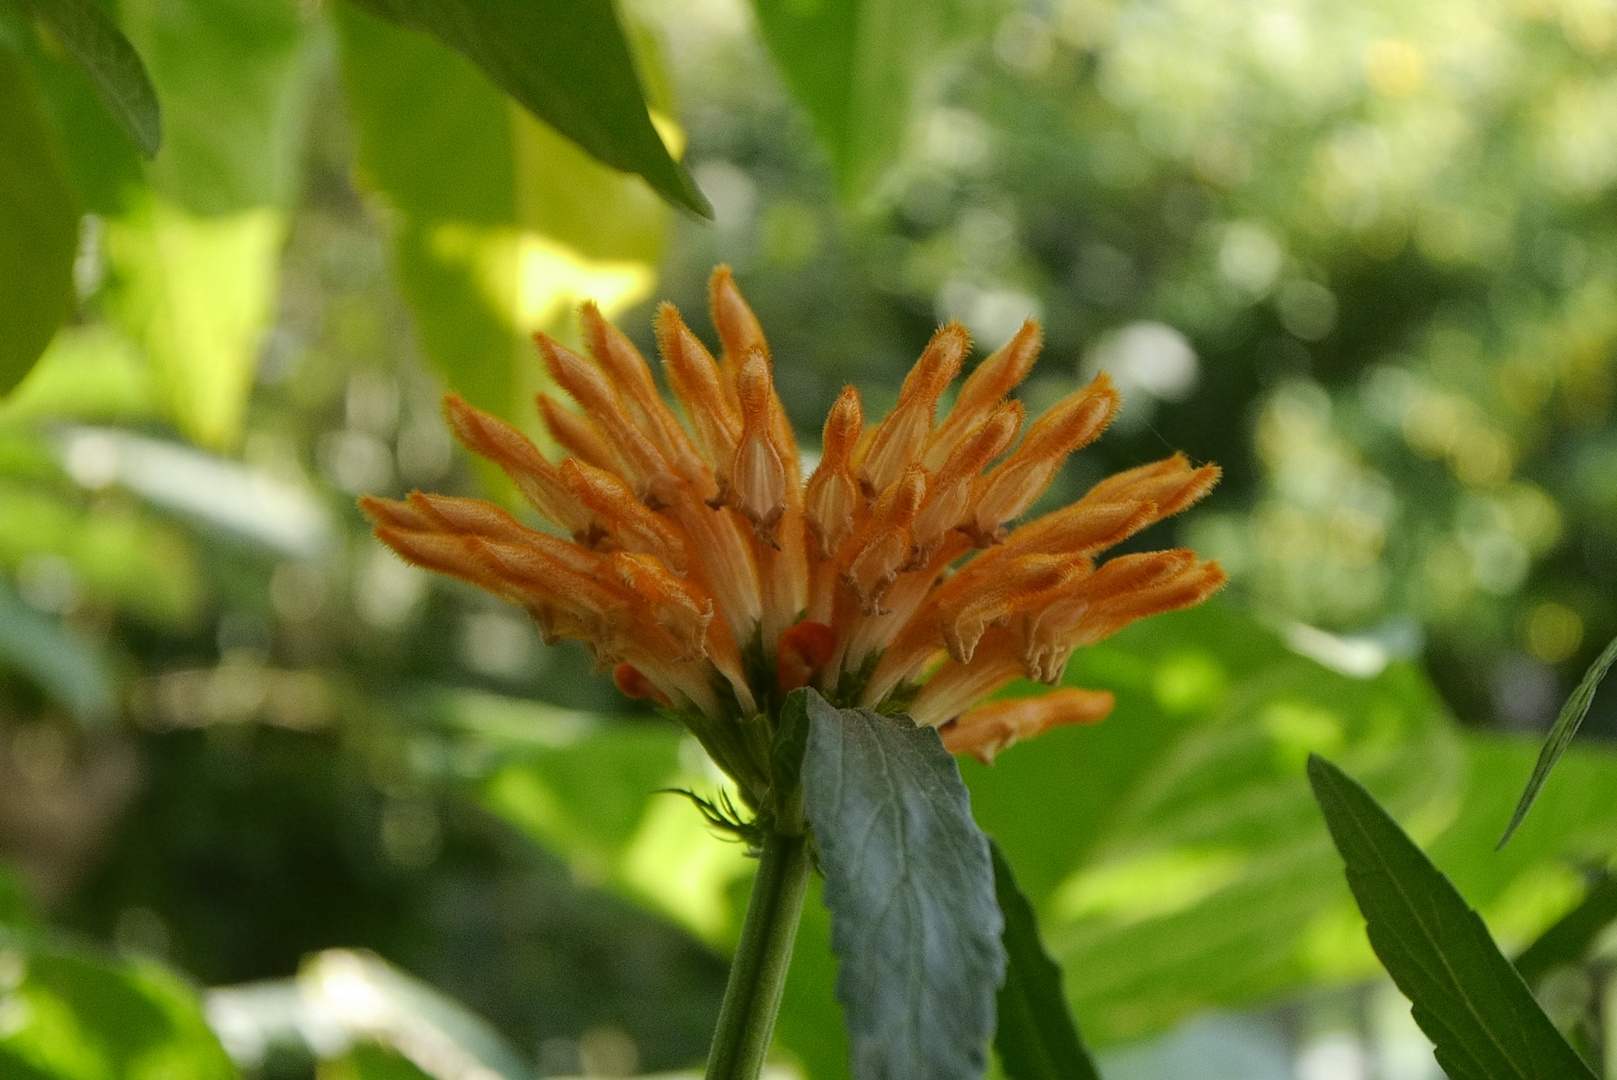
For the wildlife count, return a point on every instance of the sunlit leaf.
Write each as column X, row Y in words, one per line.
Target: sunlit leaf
column 1174, row 853
column 113, row 553
column 567, row 62
column 501, row 226
column 1561, row 734
column 862, row 69
column 597, row 791
column 1569, row 940
column 1467, row 998
column 198, row 293
column 112, row 64
column 89, row 372
column 72, row 1015
column 38, row 230
column 235, row 78
column 910, row 887
column 1035, row 1036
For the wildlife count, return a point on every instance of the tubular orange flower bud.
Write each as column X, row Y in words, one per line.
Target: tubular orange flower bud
column 740, row 334
column 629, row 373
column 1075, row 421
column 758, row 478
column 537, row 479
column 985, row 388
column 900, row 438
column 833, row 493
column 694, row 376
column 636, row 453
column 886, row 544
column 676, row 604
column 626, row 519
column 575, row 434
column 693, row 549
column 949, row 493
column 986, row 730
column 1128, row 588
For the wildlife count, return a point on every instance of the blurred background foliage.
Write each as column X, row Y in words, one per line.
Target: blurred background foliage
column 1362, row 255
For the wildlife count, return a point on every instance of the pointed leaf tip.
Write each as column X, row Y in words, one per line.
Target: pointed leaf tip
column 1467, row 997
column 1560, row 737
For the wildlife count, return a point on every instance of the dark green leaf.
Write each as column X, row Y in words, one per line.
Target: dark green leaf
column 1467, row 997
column 910, row 886
column 1036, row 1037
column 860, row 68
column 1569, row 940
column 112, row 64
column 1560, row 737
column 38, row 230
column 568, row 63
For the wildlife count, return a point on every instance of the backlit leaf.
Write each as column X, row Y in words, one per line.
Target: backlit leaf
column 198, row 293
column 862, row 69
column 1561, row 734
column 502, row 227
column 1569, row 940
column 71, row 1014
column 235, row 78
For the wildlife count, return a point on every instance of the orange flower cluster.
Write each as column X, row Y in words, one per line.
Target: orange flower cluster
column 700, row 565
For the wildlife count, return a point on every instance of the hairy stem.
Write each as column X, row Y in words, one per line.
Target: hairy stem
column 758, row 973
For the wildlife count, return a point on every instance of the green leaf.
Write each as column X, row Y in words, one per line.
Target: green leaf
column 235, row 77
column 910, row 887
column 1035, row 1037
column 862, row 69
column 1569, row 940
column 117, row 554
column 1560, row 736
column 198, row 292
column 501, row 226
column 112, row 64
column 56, row 659
column 595, row 790
column 73, row 1015
column 1173, row 850
column 1467, row 997
column 38, row 230
column 569, row 64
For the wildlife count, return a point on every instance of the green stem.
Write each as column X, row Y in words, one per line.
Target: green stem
column 758, row 973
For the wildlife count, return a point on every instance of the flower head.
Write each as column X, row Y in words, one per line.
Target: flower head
column 704, row 569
